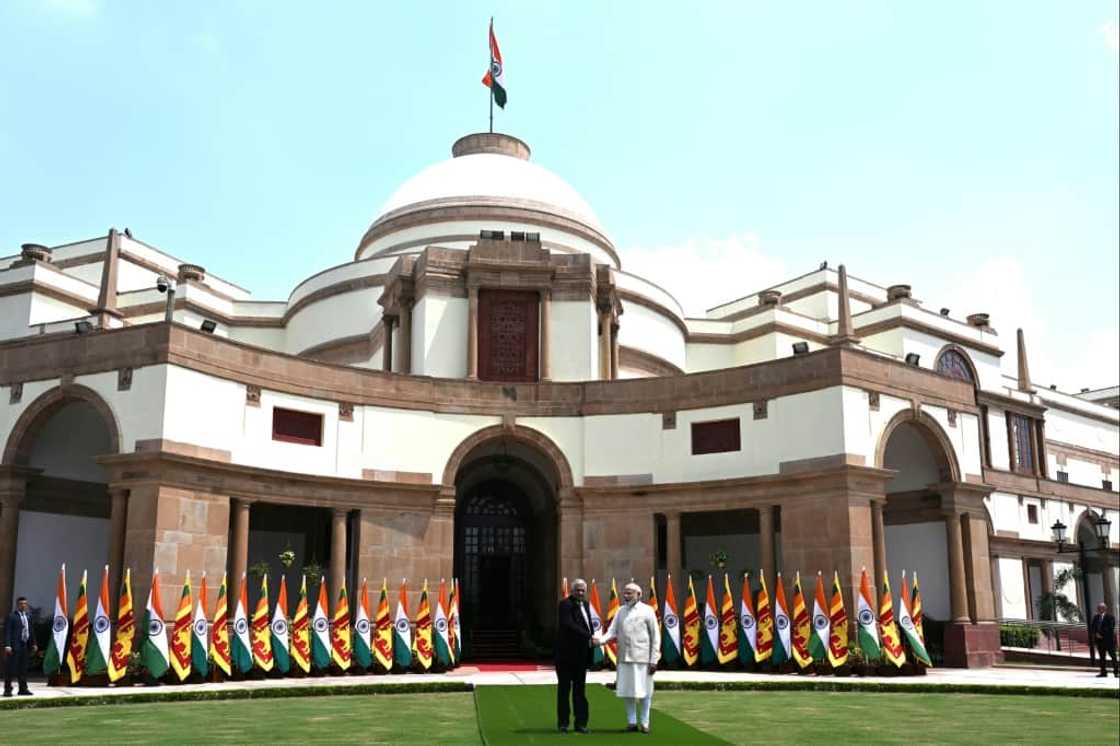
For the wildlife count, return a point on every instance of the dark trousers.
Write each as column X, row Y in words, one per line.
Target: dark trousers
column 16, row 665
column 1102, row 648
column 571, row 681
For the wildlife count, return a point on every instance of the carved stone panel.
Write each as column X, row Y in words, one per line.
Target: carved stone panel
column 508, row 332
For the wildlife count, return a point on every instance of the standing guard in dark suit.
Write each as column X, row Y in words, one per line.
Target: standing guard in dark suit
column 19, row 645
column 574, row 652
column 1102, row 636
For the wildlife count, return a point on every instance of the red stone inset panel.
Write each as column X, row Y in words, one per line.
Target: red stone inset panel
column 297, row 427
column 719, row 436
column 508, row 325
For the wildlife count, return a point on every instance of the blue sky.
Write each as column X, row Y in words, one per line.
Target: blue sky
column 967, row 148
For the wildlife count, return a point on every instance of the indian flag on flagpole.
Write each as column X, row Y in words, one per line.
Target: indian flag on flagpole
column 865, row 616
column 153, row 651
column 671, row 640
column 402, row 631
column 126, row 631
column 454, row 624
column 748, row 624
column 219, row 632
column 495, row 79
column 181, row 633
column 709, row 637
column 321, row 630
column 301, row 630
column 260, row 630
column 442, row 636
column 199, row 628
column 818, row 640
column 363, row 653
column 596, row 608
column 76, row 654
column 838, row 625
column 765, row 636
column 279, row 630
column 783, row 648
column 97, row 655
column 240, row 645
column 60, row 626
column 906, row 621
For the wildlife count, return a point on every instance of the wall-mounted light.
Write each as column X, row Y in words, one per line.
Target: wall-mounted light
column 800, row 348
column 83, row 327
column 208, row 326
column 913, row 358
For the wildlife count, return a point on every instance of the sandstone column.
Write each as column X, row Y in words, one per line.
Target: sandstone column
column 958, row 599
column 118, row 517
column 13, row 486
column 1047, row 571
column 338, row 551
column 239, row 544
column 570, row 549
column 614, row 350
column 1109, row 579
column 472, row 334
column 673, row 545
column 879, row 544
column 387, row 349
column 766, row 541
column 546, row 335
column 404, row 344
column 604, row 345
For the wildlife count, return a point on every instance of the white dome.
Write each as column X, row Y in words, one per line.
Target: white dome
column 491, row 176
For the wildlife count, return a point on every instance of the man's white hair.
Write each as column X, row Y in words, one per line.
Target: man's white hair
column 579, row 581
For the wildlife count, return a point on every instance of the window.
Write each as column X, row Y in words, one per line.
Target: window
column 1063, row 476
column 1032, row 514
column 719, row 436
column 954, row 364
column 1106, row 484
column 1020, row 441
column 297, row 427
column 985, row 436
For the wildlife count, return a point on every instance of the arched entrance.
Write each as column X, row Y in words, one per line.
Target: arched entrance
column 506, row 548
column 63, row 514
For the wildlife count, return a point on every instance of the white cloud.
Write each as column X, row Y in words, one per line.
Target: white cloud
column 1111, row 33
column 704, row 272
column 1070, row 352
column 77, row 8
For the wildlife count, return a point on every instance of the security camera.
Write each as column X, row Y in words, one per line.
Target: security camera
column 162, row 283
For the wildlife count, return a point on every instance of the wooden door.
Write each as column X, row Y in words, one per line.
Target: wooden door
column 508, row 335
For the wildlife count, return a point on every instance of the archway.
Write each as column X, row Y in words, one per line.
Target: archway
column 506, row 486
column 65, row 511
column 1093, row 564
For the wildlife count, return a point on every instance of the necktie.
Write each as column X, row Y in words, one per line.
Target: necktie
column 23, row 618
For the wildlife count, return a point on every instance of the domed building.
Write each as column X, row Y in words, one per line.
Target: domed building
column 483, row 392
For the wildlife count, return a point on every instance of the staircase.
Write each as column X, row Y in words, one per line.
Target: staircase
column 494, row 645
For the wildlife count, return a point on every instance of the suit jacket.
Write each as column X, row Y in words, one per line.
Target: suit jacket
column 13, row 632
column 1104, row 626
column 573, row 635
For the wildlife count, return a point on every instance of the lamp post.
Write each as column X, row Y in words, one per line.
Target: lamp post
column 1101, row 528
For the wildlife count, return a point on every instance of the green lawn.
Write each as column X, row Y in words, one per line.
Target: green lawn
column 450, row 718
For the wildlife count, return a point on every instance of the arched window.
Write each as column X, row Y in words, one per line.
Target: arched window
column 955, row 364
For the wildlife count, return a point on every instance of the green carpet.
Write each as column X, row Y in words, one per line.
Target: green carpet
column 517, row 715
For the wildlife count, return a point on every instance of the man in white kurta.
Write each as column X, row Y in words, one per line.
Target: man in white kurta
column 639, row 650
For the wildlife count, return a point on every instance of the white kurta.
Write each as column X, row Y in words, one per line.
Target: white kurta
column 639, row 645
column 634, row 681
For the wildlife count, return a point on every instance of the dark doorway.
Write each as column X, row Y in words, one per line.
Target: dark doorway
column 494, row 531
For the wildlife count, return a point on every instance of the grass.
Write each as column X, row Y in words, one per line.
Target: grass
column 515, row 715
column 386, row 718
column 526, row 715
column 835, row 717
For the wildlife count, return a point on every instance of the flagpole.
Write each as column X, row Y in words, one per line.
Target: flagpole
column 489, row 89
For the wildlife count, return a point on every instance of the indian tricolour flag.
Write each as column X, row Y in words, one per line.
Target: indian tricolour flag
column 199, row 629
column 709, row 638
column 596, row 622
column 906, row 621
column 97, row 656
column 495, row 78
column 60, row 626
column 818, row 640
column 363, row 653
column 865, row 616
column 321, row 631
column 443, row 637
column 748, row 625
column 671, row 639
column 240, row 645
column 153, row 651
column 402, row 631
column 279, row 629
column 783, row 646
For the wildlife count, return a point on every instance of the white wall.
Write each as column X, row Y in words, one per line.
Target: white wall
column 575, row 341
column 439, row 336
column 1012, row 589
column 921, row 548
column 45, row 541
column 650, row 331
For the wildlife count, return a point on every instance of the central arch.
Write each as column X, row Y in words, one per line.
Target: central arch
column 506, row 483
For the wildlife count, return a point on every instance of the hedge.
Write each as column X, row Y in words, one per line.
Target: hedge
column 833, row 685
column 1018, row 635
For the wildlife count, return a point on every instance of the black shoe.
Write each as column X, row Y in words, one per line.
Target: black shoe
column 7, row 693
column 25, row 693
column 582, row 729
column 631, row 728
column 1102, row 675
column 563, row 729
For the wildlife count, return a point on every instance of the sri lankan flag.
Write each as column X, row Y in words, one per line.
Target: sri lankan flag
column 422, row 641
column 153, row 650
column 442, row 637
column 76, row 655
column 340, row 630
column 382, row 642
column 818, row 640
column 728, row 636
column 906, row 621
column 301, row 630
column 653, row 603
column 260, row 631
column 765, row 636
column 97, row 654
column 865, row 616
column 219, row 632
column 596, row 623
column 802, row 626
column 363, row 654
column 690, row 640
column 181, row 633
column 838, row 626
column 892, row 646
column 242, row 647
column 783, row 645
column 199, row 629
column 916, row 610
column 402, row 631
column 671, row 640
column 453, row 623
column 748, row 624
column 321, row 631
column 495, row 76
column 279, row 630
column 612, row 609
column 126, row 631
column 60, row 626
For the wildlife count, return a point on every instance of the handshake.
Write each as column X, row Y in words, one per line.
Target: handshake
column 595, row 641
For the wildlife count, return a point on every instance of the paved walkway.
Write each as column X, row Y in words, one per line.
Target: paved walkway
column 997, row 676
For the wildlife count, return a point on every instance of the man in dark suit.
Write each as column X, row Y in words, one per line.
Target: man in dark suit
column 573, row 657
column 19, row 645
column 1102, row 635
